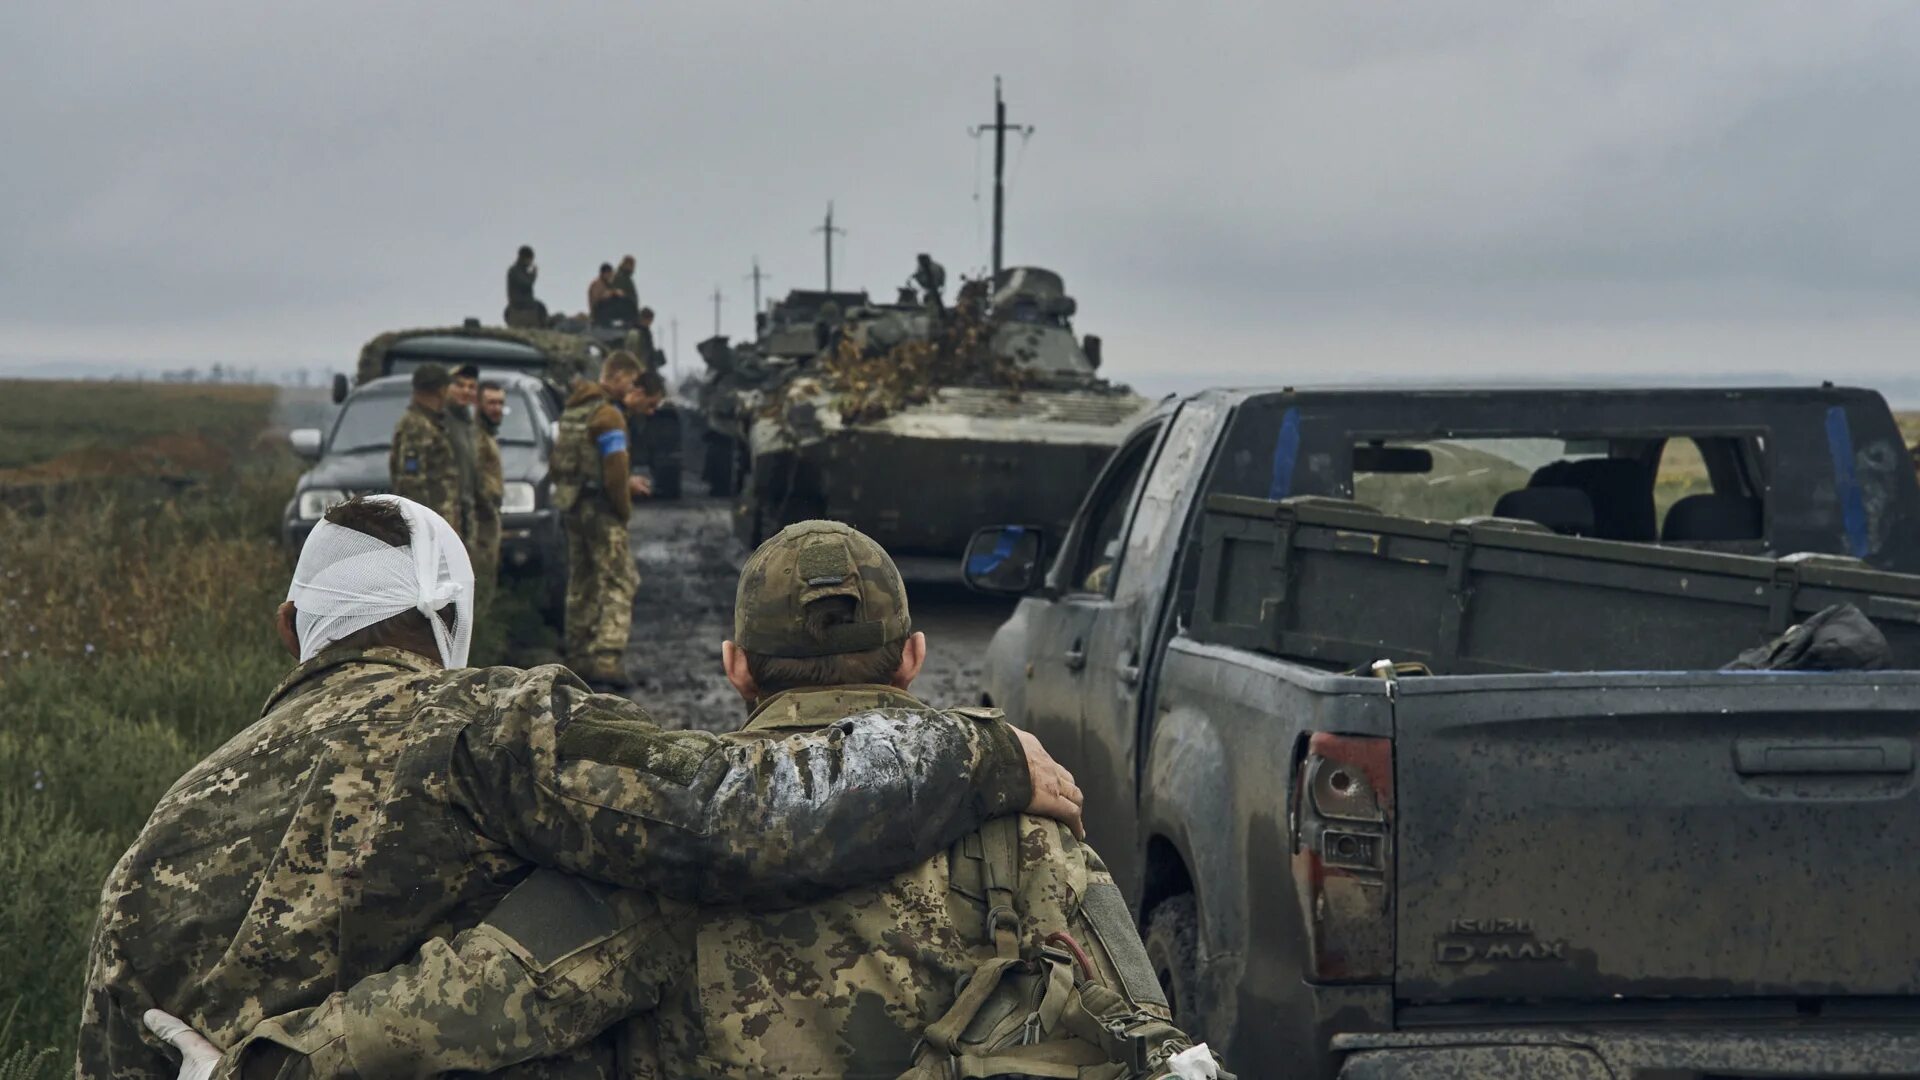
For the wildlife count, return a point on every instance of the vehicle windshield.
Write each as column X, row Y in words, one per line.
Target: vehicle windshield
column 367, row 422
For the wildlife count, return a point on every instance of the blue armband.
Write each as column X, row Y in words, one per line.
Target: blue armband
column 613, row 442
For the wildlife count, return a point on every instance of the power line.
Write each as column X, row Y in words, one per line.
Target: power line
column 1000, row 127
column 828, row 230
column 716, row 311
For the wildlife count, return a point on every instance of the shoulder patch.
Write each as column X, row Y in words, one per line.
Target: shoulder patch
column 612, row 442
column 410, row 465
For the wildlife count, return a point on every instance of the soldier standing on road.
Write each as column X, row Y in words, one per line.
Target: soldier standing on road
column 463, row 397
column 1017, row 931
column 389, row 794
column 522, row 309
column 493, row 488
column 594, row 490
column 422, row 464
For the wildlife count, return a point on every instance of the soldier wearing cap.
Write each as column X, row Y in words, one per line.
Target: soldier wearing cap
column 423, row 464
column 1010, row 954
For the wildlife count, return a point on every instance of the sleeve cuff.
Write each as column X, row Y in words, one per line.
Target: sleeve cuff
column 1004, row 784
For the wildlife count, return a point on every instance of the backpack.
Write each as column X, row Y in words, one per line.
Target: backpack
column 1047, row 1012
column 575, row 466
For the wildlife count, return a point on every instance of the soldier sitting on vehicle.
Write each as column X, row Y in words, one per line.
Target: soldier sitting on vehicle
column 522, row 309
column 1010, row 954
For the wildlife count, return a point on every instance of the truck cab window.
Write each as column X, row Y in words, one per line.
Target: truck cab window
column 1096, row 560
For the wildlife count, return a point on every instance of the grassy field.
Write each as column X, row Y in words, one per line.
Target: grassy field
column 133, row 639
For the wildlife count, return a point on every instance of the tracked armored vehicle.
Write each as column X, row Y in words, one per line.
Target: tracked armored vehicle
column 916, row 423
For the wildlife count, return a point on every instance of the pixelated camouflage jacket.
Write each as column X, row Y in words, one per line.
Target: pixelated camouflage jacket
column 381, row 802
column 844, row 988
column 421, row 465
column 463, row 430
column 493, row 485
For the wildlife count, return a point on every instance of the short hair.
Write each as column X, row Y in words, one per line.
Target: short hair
column 387, row 523
column 606, row 268
column 622, row 363
column 526, row 251
column 492, row 387
column 773, row 674
column 625, row 259
column 467, row 371
column 646, row 313
column 652, row 383
column 430, row 377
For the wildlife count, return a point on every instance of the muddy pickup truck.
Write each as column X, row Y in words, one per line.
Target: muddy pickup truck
column 1400, row 718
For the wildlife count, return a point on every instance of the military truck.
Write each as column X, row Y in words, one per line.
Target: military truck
column 554, row 357
column 917, row 422
column 1399, row 721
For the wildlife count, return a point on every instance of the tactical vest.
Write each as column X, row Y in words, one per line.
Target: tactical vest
column 575, row 469
column 1047, row 1012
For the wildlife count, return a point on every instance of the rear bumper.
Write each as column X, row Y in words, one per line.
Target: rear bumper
column 1676, row 1052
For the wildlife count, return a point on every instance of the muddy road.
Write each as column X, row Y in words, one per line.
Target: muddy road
column 689, row 562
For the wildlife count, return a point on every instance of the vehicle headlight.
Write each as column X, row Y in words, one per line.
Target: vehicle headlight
column 517, row 498
column 316, row 501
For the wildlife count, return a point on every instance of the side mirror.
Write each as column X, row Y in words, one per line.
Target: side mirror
column 339, row 389
column 1091, row 346
column 305, row 441
column 1004, row 560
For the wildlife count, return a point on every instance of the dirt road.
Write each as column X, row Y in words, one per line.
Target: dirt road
column 689, row 561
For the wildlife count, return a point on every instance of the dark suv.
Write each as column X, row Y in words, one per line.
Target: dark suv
column 350, row 458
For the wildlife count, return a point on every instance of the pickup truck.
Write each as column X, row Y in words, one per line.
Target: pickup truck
column 1399, row 719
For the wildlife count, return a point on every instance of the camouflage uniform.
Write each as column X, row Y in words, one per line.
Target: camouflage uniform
column 589, row 476
column 422, row 465
column 484, row 549
column 381, row 802
column 865, row 985
column 464, row 431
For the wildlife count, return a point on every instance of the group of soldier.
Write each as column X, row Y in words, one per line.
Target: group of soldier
column 446, row 457
column 612, row 299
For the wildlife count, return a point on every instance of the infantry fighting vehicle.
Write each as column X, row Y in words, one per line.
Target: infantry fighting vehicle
column 916, row 422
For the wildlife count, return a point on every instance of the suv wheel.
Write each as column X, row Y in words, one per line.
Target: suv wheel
column 1173, row 947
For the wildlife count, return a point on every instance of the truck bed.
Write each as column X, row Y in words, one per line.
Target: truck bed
column 1336, row 583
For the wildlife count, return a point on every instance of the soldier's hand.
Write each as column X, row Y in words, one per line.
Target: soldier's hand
column 198, row 1057
column 1055, row 795
column 639, row 486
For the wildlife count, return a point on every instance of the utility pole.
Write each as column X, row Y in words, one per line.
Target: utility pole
column 673, row 327
column 828, row 230
column 1000, row 127
column 716, row 311
column 757, row 277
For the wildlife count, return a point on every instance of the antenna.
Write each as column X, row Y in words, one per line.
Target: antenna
column 757, row 277
column 999, row 127
column 716, row 311
column 828, row 230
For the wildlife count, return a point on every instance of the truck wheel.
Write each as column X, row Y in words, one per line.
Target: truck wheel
column 1173, row 946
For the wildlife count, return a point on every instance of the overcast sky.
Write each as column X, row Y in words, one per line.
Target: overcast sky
column 1248, row 192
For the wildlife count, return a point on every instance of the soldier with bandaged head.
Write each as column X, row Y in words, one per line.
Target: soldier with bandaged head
column 389, row 796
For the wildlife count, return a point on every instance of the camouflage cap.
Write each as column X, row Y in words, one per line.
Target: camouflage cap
column 809, row 561
column 430, row 377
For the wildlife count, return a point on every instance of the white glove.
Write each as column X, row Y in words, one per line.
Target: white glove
column 198, row 1057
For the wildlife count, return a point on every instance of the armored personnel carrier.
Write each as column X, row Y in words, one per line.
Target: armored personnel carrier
column 917, row 422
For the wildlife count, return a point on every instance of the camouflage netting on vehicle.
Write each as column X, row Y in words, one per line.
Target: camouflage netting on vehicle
column 870, row 383
column 568, row 355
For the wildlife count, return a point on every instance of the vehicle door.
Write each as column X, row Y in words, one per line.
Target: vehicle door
column 1120, row 632
column 1082, row 580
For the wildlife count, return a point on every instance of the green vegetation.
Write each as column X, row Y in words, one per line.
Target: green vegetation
column 133, row 639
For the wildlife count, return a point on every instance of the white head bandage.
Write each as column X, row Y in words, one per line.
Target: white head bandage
column 347, row 581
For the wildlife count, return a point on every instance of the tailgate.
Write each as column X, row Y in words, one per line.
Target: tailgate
column 1686, row 835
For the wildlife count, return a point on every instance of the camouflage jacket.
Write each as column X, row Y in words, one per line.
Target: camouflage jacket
column 843, row 988
column 493, row 486
column 381, row 802
column 465, row 434
column 422, row 465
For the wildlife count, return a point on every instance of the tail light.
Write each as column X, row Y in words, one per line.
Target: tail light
column 1343, row 856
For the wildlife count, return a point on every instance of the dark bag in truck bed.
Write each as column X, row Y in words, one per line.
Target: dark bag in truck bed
column 1334, row 582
